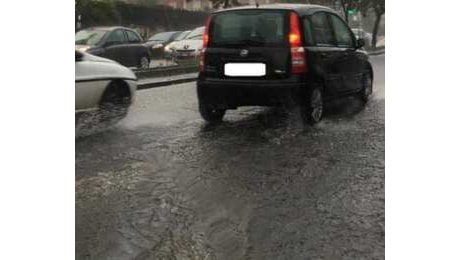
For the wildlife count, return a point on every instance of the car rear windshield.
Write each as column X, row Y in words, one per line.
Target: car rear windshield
column 249, row 28
column 89, row 37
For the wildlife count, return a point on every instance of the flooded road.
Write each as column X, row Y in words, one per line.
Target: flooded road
column 164, row 185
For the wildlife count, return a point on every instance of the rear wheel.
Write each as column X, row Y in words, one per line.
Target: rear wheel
column 313, row 106
column 208, row 110
column 211, row 113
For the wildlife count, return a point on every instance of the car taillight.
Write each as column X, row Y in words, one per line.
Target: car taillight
column 298, row 62
column 201, row 64
column 206, row 32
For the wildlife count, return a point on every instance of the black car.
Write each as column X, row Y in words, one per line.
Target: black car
column 116, row 43
column 273, row 55
column 157, row 42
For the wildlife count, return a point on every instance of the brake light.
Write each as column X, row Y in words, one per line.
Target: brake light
column 298, row 62
column 206, row 32
column 201, row 63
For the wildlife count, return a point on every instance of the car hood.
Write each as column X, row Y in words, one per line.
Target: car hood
column 156, row 41
column 105, row 69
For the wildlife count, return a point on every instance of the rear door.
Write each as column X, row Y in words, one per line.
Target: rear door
column 116, row 47
column 248, row 37
column 322, row 52
column 350, row 64
column 135, row 48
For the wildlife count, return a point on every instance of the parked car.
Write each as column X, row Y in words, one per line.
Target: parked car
column 116, row 43
column 279, row 54
column 180, row 37
column 157, row 42
column 189, row 47
column 361, row 34
column 104, row 89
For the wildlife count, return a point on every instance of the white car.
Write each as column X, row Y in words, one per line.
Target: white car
column 190, row 46
column 104, row 89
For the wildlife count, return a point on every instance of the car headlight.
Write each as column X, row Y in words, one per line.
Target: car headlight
column 83, row 49
column 156, row 46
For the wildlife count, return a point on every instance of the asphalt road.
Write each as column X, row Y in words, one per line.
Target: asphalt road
column 164, row 185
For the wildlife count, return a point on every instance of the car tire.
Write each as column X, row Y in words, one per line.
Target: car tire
column 312, row 105
column 144, row 62
column 209, row 111
column 115, row 102
column 367, row 88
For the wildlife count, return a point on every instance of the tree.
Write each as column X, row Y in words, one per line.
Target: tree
column 378, row 6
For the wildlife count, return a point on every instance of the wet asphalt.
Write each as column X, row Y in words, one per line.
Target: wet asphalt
column 165, row 185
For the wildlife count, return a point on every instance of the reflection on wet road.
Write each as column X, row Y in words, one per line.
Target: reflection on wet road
column 164, row 185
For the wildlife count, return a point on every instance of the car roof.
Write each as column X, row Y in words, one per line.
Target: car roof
column 299, row 8
column 169, row 32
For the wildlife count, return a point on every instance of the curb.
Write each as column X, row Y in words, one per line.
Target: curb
column 376, row 52
column 166, row 71
column 165, row 83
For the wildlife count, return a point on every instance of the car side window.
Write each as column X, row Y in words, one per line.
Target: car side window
column 133, row 37
column 342, row 33
column 322, row 30
column 116, row 36
column 307, row 31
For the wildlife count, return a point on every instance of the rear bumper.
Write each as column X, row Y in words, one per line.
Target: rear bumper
column 236, row 93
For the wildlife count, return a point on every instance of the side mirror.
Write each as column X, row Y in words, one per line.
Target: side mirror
column 78, row 56
column 360, row 43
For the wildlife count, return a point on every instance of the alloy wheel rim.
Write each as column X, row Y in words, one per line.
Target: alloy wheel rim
column 144, row 62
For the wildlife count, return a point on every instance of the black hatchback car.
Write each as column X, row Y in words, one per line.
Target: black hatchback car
column 116, row 43
column 272, row 55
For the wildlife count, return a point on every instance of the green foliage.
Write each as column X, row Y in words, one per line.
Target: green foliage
column 157, row 17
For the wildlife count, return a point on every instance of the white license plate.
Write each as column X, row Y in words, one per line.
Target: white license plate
column 244, row 69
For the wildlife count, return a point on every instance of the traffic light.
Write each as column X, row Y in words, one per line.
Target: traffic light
column 351, row 12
